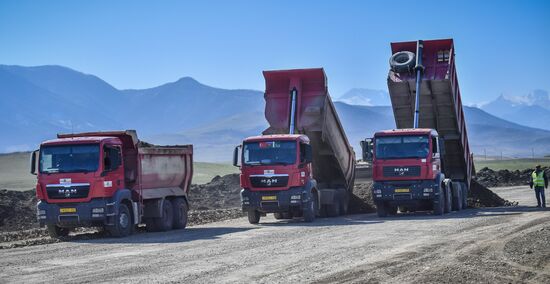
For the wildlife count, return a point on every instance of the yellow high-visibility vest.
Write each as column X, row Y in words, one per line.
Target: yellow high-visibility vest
column 538, row 179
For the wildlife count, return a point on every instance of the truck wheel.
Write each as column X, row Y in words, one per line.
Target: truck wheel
column 123, row 224
column 333, row 210
column 381, row 209
column 392, row 210
column 448, row 198
column 57, row 232
column 464, row 196
column 180, row 213
column 402, row 61
column 167, row 219
column 311, row 209
column 253, row 217
column 457, row 196
column 439, row 204
column 344, row 204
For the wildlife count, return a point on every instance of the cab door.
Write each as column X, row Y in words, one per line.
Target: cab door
column 113, row 171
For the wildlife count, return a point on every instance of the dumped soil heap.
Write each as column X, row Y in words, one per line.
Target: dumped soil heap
column 17, row 210
column 481, row 196
column 491, row 178
column 220, row 193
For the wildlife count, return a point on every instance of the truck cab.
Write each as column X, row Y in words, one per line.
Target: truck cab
column 276, row 176
column 110, row 180
column 406, row 162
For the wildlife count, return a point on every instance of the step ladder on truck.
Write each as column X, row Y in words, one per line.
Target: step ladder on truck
column 425, row 163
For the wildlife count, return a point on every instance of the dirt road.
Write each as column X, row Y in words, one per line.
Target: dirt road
column 476, row 245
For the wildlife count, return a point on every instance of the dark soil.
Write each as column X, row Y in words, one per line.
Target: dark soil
column 220, row 193
column 491, row 178
column 17, row 210
column 481, row 196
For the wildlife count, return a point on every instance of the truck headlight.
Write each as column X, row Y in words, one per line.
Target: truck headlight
column 245, row 198
column 98, row 210
column 428, row 189
column 377, row 191
column 295, row 197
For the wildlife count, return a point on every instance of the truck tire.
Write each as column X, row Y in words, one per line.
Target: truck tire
column 344, row 203
column 123, row 224
column 381, row 209
column 448, row 197
column 180, row 213
column 311, row 211
column 439, row 204
column 392, row 210
column 464, row 196
column 402, row 61
column 163, row 223
column 57, row 232
column 333, row 210
column 457, row 196
column 253, row 216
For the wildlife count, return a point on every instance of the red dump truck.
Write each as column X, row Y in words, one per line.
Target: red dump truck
column 426, row 163
column 111, row 180
column 303, row 164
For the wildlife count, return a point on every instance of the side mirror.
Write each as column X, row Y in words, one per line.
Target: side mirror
column 34, row 154
column 309, row 153
column 366, row 149
column 236, row 156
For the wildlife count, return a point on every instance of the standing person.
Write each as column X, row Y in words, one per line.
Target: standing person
column 539, row 181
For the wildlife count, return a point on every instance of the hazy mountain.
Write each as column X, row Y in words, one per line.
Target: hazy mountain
column 365, row 97
column 38, row 102
column 531, row 110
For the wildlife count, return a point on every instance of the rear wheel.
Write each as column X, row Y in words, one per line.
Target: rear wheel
column 464, row 196
column 381, row 209
column 439, row 203
column 344, row 203
column 57, row 232
column 457, row 196
column 311, row 210
column 333, row 210
column 164, row 222
column 180, row 213
column 448, row 197
column 123, row 224
column 253, row 217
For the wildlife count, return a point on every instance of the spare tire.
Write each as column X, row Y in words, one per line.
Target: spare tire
column 402, row 61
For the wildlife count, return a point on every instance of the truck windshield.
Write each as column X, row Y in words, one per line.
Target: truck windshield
column 269, row 153
column 69, row 158
column 399, row 147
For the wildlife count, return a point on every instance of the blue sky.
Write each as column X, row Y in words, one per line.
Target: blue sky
column 501, row 46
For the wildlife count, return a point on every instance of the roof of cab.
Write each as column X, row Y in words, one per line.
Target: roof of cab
column 301, row 137
column 409, row 131
column 78, row 140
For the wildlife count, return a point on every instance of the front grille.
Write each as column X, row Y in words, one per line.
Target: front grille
column 407, row 171
column 61, row 191
column 269, row 181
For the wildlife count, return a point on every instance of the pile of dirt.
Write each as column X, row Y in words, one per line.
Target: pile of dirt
column 220, row 193
column 361, row 201
column 491, row 178
column 17, row 210
column 481, row 196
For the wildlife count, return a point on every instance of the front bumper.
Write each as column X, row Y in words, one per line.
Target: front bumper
column 97, row 212
column 284, row 201
column 405, row 191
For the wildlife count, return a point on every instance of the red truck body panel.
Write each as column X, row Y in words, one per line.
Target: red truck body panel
column 149, row 171
column 440, row 103
column 333, row 157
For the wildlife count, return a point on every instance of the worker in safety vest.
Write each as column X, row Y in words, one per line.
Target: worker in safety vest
column 539, row 182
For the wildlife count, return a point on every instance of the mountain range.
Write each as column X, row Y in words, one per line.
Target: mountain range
column 38, row 102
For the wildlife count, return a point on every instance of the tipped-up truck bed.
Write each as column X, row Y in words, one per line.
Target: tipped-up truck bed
column 426, row 162
column 303, row 164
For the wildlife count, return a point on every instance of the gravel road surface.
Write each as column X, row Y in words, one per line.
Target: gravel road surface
column 492, row 245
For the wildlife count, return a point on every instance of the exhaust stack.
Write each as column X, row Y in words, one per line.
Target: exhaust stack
column 293, row 94
column 419, row 68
